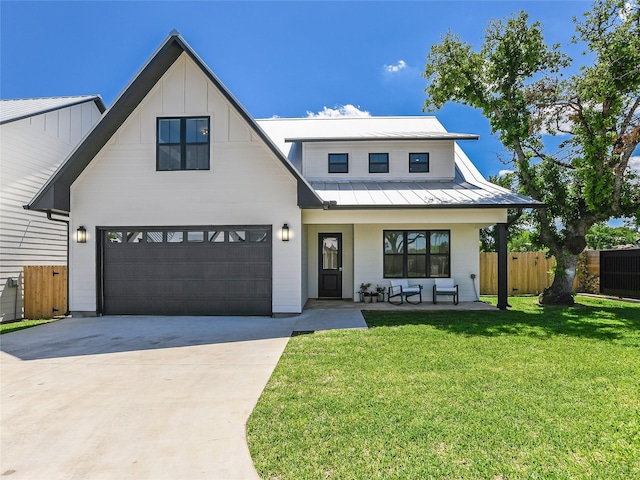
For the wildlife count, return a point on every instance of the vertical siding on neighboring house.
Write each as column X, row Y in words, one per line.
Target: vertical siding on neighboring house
column 245, row 185
column 30, row 151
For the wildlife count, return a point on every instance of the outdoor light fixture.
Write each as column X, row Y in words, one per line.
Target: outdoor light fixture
column 285, row 233
column 81, row 235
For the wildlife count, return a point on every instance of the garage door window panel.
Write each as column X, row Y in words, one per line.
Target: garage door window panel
column 175, row 237
column 237, row 236
column 195, row 237
column 216, row 237
column 134, row 237
column 114, row 237
column 154, row 237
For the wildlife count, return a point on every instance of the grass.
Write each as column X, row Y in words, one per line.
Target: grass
column 9, row 327
column 530, row 393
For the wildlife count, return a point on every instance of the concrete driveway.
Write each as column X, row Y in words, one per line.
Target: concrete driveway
column 140, row 397
column 134, row 397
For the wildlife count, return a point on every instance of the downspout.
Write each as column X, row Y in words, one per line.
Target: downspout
column 49, row 217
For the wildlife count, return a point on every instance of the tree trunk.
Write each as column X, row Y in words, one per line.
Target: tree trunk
column 559, row 293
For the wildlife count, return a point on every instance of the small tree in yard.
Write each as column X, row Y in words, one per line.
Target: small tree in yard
column 517, row 82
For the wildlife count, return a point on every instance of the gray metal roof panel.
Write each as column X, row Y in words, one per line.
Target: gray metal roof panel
column 386, row 136
column 362, row 193
column 15, row 109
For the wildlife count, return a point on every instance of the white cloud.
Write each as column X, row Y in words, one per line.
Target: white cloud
column 504, row 173
column 626, row 11
column 339, row 111
column 401, row 65
column 634, row 164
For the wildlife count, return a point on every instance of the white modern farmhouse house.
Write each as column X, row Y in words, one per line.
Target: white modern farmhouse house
column 181, row 203
column 36, row 135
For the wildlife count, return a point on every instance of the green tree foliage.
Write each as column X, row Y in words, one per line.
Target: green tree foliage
column 520, row 237
column 602, row 236
column 522, row 87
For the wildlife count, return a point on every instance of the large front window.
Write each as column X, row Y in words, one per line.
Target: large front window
column 183, row 143
column 417, row 253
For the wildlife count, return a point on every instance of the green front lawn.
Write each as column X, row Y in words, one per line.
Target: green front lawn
column 530, row 393
column 9, row 327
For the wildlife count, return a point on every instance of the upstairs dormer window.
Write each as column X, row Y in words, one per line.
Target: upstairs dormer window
column 338, row 163
column 183, row 144
column 418, row 163
column 378, row 163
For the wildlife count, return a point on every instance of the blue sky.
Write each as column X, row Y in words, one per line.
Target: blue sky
column 284, row 58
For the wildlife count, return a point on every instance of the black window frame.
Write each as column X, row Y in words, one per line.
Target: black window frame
column 413, row 163
column 333, row 164
column 406, row 256
column 183, row 143
column 385, row 163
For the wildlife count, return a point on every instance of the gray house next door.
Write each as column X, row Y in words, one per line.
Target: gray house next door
column 204, row 270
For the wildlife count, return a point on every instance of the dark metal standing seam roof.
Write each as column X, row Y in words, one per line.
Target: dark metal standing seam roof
column 55, row 195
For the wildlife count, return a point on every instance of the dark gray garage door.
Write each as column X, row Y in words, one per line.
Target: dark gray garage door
column 186, row 271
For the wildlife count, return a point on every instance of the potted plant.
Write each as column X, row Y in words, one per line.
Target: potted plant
column 380, row 291
column 365, row 295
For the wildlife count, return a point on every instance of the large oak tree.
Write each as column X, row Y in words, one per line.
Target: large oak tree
column 530, row 95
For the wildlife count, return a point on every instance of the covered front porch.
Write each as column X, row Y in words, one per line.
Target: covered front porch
column 426, row 306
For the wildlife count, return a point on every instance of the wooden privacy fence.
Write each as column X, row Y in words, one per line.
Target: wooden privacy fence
column 45, row 291
column 528, row 273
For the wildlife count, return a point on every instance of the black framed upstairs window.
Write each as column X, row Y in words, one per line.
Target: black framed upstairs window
column 378, row 163
column 338, row 163
column 418, row 163
column 183, row 144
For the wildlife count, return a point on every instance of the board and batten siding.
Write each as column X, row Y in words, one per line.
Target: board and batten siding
column 245, row 185
column 31, row 150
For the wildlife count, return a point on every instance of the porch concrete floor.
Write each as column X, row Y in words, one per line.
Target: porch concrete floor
column 427, row 306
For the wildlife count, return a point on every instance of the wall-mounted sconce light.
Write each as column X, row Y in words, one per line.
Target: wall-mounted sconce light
column 81, row 235
column 285, row 233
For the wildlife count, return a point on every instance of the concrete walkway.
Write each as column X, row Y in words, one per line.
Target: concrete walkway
column 140, row 397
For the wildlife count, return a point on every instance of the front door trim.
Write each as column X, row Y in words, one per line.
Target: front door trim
column 329, row 265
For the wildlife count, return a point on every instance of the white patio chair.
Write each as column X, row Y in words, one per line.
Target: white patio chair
column 400, row 288
column 445, row 286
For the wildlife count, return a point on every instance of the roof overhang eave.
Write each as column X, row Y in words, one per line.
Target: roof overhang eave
column 380, row 138
column 449, row 206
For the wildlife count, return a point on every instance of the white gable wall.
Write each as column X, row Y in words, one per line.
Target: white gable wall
column 31, row 149
column 246, row 184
